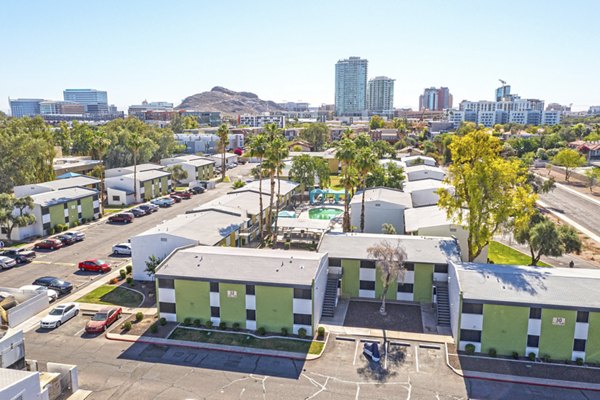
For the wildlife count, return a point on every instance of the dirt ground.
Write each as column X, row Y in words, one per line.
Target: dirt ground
column 142, row 328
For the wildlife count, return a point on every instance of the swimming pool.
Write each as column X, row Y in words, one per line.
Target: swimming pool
column 324, row 213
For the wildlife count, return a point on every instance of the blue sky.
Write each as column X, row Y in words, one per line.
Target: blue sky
column 286, row 50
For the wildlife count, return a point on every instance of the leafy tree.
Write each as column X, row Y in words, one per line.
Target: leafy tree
column 317, row 135
column 258, row 149
column 568, row 159
column 592, row 137
column 466, row 128
column 303, row 171
column 388, row 175
column 382, row 149
column 223, row 134
column 177, row 173
column 376, row 122
column 190, row 122
column 570, row 239
column 62, row 138
column 134, row 144
column 492, row 189
column 238, row 184
column 365, row 162
column 15, row 212
column 151, row 265
column 322, row 172
column 363, row 140
column 593, row 176
column 346, row 154
column 429, row 147
column 388, row 229
column 390, row 260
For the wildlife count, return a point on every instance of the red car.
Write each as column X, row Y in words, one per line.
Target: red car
column 51, row 244
column 126, row 217
column 103, row 319
column 182, row 194
column 94, row 265
column 176, row 197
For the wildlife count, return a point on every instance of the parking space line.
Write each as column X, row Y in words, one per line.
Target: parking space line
column 429, row 346
column 355, row 351
column 385, row 355
column 417, row 358
column 79, row 332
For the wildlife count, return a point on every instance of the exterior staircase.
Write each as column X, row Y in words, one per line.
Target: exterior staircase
column 330, row 301
column 443, row 305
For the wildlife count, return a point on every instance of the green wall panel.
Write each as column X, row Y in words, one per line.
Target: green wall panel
column 392, row 289
column 57, row 214
column 87, row 207
column 164, row 184
column 350, row 278
column 423, row 286
column 232, row 300
column 73, row 214
column 148, row 190
column 504, row 329
column 592, row 347
column 557, row 340
column 274, row 308
column 193, row 300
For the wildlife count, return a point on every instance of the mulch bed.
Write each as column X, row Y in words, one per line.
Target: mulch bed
column 142, row 328
column 400, row 317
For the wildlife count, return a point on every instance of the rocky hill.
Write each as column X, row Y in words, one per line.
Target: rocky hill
column 228, row 102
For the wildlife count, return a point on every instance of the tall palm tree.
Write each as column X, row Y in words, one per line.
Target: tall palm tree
column 258, row 149
column 366, row 161
column 223, row 134
column 270, row 165
column 98, row 151
column 279, row 152
column 390, row 258
column 134, row 143
column 346, row 154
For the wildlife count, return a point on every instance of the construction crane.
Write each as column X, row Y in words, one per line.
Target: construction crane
column 502, row 82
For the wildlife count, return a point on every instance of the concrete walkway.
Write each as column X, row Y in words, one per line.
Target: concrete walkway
column 555, row 383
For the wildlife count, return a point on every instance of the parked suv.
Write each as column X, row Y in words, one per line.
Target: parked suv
column 19, row 255
column 121, row 217
column 148, row 208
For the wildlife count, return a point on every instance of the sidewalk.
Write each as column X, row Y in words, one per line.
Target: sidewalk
column 389, row 335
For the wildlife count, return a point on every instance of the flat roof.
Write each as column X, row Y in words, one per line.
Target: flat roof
column 207, row 227
column 286, row 186
column 423, row 184
column 423, row 167
column 66, row 183
column 304, row 223
column 139, row 168
column 198, row 162
column 247, row 201
column 389, row 195
column 8, row 377
column 243, row 265
column 575, row 288
column 61, row 196
column 408, row 159
column 149, row 174
column 419, row 249
column 424, row 217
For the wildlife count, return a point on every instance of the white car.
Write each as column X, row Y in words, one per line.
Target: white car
column 59, row 315
column 52, row 294
column 122, row 249
column 77, row 236
column 7, row 262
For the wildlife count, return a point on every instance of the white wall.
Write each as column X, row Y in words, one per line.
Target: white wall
column 27, row 388
column 319, row 286
column 29, row 305
column 454, row 298
column 12, row 349
column 421, row 174
column 159, row 245
column 376, row 214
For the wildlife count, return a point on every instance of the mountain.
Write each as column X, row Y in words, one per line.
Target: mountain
column 228, row 102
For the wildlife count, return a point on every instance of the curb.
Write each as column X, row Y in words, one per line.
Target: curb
column 458, row 372
column 575, row 386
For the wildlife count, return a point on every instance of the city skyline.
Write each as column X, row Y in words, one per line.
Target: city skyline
column 172, row 57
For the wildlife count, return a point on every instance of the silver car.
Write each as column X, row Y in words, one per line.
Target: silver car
column 7, row 262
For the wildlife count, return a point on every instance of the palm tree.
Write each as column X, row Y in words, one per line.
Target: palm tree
column 270, row 165
column 390, row 262
column 279, row 152
column 366, row 161
column 223, row 134
column 98, row 151
column 258, row 148
column 134, row 143
column 346, row 153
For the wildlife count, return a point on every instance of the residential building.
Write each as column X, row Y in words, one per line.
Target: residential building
column 594, row 110
column 426, row 265
column 553, row 312
column 435, row 99
column 287, row 189
column 260, row 120
column 207, row 142
column 205, row 118
column 351, row 87
column 425, row 192
column 294, row 106
column 24, row 107
column 197, row 168
column 410, row 161
column 230, row 158
column 382, row 205
column 270, row 289
column 422, row 171
column 491, row 118
column 74, row 165
column 558, row 107
column 82, row 181
column 457, row 117
column 209, row 228
column 380, row 96
column 530, row 117
column 139, row 110
column 151, row 183
column 112, row 172
column 95, row 101
column 590, row 149
column 551, row 117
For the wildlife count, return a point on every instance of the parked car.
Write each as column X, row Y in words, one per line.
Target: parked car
column 94, row 265
column 163, row 202
column 52, row 282
column 126, row 217
column 59, row 315
column 7, row 301
column 77, row 235
column 51, row 244
column 137, row 212
column 51, row 293
column 7, row 262
column 149, row 208
column 66, row 240
column 103, row 319
column 176, row 198
column 21, row 256
column 198, row 190
column 184, row 195
column 122, row 249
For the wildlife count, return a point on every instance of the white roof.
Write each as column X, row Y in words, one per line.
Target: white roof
column 412, row 159
column 304, row 223
column 398, row 163
column 247, row 201
column 199, row 162
column 286, row 186
column 539, row 286
column 388, row 195
column 10, row 377
column 423, row 167
column 149, row 174
column 424, row 184
column 424, row 217
column 47, row 199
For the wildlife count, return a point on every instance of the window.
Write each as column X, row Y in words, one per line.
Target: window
column 409, row 266
column 579, row 345
column 440, row 268
column 582, row 316
column 116, row 198
column 335, row 262
column 533, row 341
column 367, row 264
column 250, row 289
column 302, row 293
column 302, row 319
column 367, row 285
column 215, row 312
column 535, row 313
column 214, row 287
column 469, row 335
column 166, row 283
column 472, row 308
column 251, row 315
column 405, row 288
column 167, row 308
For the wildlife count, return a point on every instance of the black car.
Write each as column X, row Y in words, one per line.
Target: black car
column 197, row 190
column 52, row 282
column 65, row 239
column 138, row 212
column 148, row 208
column 21, row 256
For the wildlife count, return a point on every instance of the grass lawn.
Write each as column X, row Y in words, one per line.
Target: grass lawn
column 108, row 211
column 113, row 295
column 502, row 254
column 241, row 340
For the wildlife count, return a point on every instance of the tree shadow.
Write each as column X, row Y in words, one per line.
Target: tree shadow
column 511, row 277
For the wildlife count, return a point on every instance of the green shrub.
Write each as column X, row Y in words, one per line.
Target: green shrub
column 286, row 246
column 209, row 324
column 197, row 323
column 531, row 356
column 579, row 361
column 492, row 352
column 546, row 358
column 51, row 231
column 123, row 274
column 302, row 333
column 162, row 321
column 261, row 331
column 127, row 325
column 129, row 268
column 515, row 355
column 222, row 325
column 470, row 348
column 321, row 332
column 129, row 280
column 154, row 328
column 131, row 284
column 235, row 326
column 187, row 321
column 139, row 316
column 284, row 331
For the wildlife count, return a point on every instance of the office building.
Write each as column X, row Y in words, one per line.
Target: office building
column 52, row 107
column 594, row 110
column 551, row 117
column 435, row 99
column 380, row 96
column 351, row 87
column 294, row 106
column 260, row 120
column 95, row 101
column 24, row 107
column 139, row 110
column 503, row 93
